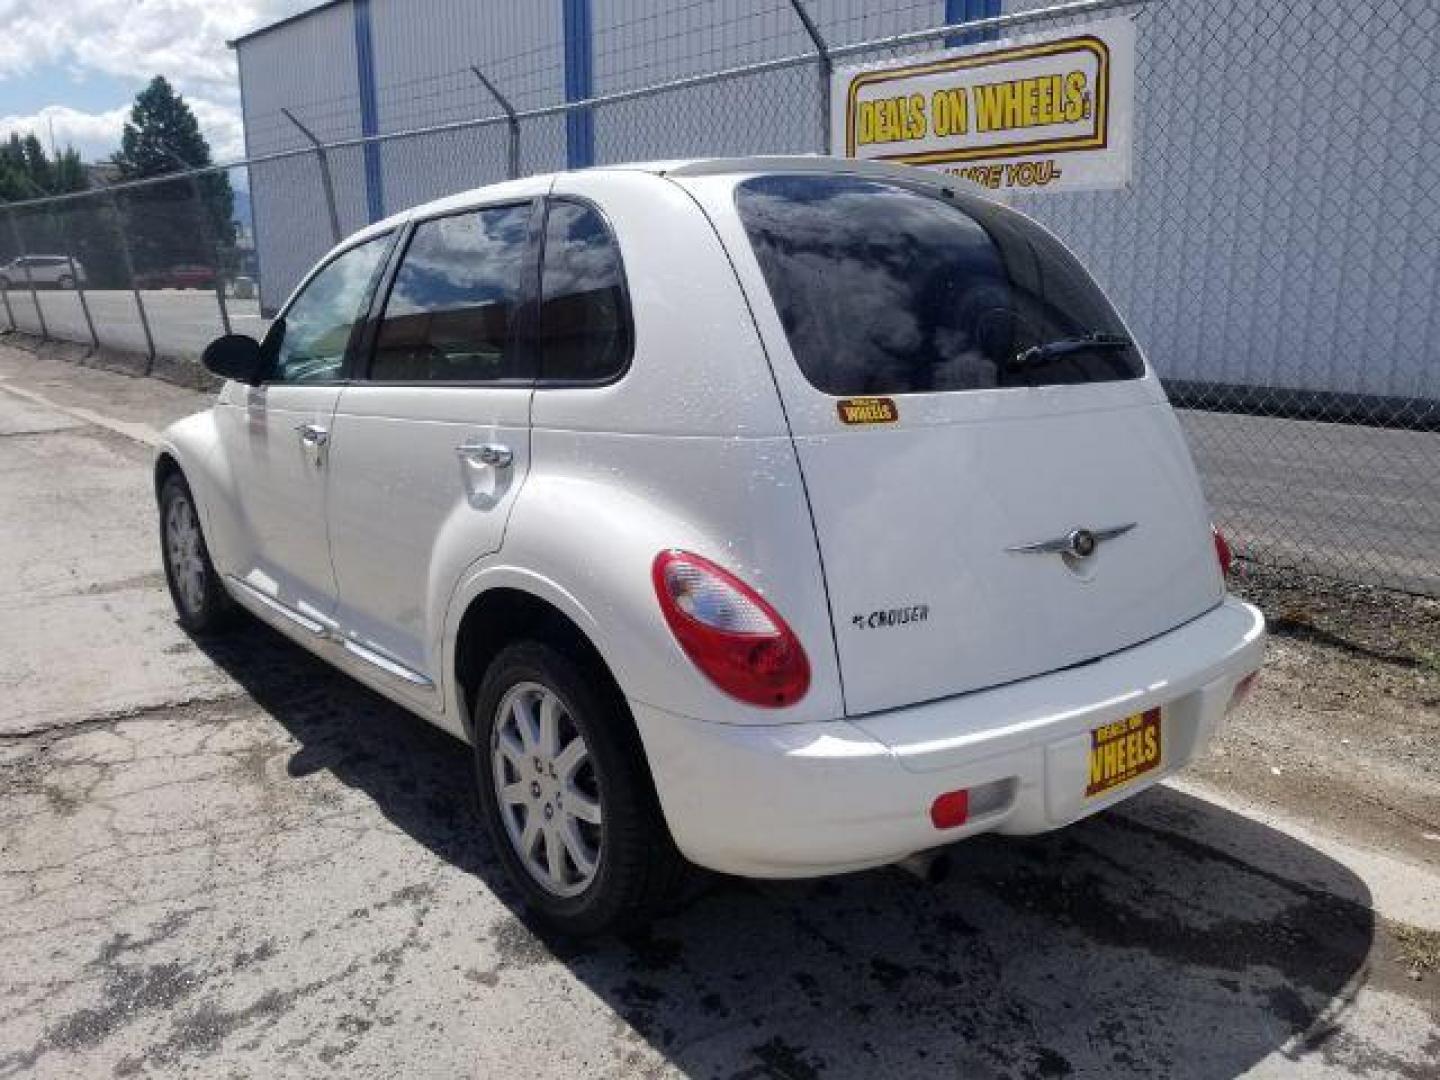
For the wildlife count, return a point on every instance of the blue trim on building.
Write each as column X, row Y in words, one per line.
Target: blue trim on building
column 369, row 110
column 579, row 83
column 251, row 192
column 966, row 10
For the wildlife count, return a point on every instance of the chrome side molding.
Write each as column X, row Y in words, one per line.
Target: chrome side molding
column 315, row 627
column 387, row 665
column 390, row 667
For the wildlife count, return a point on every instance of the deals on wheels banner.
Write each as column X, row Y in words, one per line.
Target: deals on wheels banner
column 1045, row 112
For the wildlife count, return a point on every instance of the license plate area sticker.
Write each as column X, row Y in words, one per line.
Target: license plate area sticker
column 1123, row 750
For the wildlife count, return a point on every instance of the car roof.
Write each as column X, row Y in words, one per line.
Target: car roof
column 530, row 186
column 794, row 163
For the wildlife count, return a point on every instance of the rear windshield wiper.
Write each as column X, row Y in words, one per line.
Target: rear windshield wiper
column 1050, row 350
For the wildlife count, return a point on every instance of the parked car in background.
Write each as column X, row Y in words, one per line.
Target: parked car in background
column 786, row 516
column 44, row 271
column 188, row 276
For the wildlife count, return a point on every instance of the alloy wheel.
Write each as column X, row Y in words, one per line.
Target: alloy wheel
column 186, row 554
column 547, row 789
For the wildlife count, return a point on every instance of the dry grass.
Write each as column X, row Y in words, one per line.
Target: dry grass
column 1419, row 948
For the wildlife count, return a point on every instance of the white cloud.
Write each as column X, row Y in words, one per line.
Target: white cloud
column 184, row 40
column 95, row 135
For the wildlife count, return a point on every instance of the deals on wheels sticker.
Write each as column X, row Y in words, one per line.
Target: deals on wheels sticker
column 1123, row 750
column 1039, row 113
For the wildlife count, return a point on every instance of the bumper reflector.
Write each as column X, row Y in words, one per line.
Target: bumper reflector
column 950, row 809
column 983, row 800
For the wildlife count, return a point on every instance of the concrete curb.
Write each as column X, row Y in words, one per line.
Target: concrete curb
column 178, row 370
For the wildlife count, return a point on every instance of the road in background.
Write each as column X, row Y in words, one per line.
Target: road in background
column 1351, row 502
column 182, row 321
column 223, row 857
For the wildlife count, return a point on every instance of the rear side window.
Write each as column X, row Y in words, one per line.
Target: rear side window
column 883, row 289
column 451, row 312
column 584, row 331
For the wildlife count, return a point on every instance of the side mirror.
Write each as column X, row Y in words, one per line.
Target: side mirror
column 234, row 356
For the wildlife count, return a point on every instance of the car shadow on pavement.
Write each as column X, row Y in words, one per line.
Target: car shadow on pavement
column 1168, row 936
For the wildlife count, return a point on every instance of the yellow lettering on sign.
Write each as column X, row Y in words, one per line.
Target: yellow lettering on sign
column 1031, row 102
column 950, row 112
column 894, row 119
column 865, row 123
column 915, row 119
column 1075, row 97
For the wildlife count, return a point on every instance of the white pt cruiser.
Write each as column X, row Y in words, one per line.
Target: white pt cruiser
column 784, row 516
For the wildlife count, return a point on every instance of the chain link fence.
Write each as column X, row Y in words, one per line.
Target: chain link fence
column 1275, row 253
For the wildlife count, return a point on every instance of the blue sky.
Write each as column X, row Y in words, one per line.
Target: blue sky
column 77, row 64
column 55, row 84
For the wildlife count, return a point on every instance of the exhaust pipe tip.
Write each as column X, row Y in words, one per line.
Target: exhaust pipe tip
column 931, row 867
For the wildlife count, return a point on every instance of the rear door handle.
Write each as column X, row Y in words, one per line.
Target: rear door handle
column 496, row 455
column 313, row 435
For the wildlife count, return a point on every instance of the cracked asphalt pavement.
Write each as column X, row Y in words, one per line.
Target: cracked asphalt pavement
column 221, row 857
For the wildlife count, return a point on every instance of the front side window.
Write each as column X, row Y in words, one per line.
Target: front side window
column 584, row 319
column 315, row 331
column 451, row 312
column 884, row 289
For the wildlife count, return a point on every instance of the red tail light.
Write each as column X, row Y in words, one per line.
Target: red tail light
column 738, row 640
column 1222, row 552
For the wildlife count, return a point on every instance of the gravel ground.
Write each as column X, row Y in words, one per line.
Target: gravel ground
column 1346, row 718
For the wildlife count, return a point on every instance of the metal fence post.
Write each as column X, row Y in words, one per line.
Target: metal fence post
column 325, row 181
column 512, row 122
column 130, row 273
column 9, row 311
column 64, row 234
column 825, row 67
column 29, row 278
column 203, row 220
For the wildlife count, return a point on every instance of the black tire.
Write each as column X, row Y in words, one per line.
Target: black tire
column 639, row 871
column 208, row 608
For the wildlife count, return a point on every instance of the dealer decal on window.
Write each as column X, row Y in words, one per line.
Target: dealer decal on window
column 867, row 410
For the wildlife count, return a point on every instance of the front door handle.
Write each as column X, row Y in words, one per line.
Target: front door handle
column 496, row 455
column 313, row 435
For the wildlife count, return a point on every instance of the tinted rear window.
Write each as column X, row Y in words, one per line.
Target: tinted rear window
column 584, row 321
column 883, row 289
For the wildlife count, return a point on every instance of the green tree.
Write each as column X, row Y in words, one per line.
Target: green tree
column 27, row 173
column 162, row 136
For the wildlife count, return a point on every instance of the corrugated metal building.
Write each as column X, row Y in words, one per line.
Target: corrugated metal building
column 364, row 67
column 1280, row 229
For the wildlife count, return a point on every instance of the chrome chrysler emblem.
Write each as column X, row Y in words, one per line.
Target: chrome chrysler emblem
column 1076, row 544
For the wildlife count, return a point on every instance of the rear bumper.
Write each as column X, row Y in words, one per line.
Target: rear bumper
column 801, row 800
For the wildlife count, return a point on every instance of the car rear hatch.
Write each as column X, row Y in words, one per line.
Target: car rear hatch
column 984, row 513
